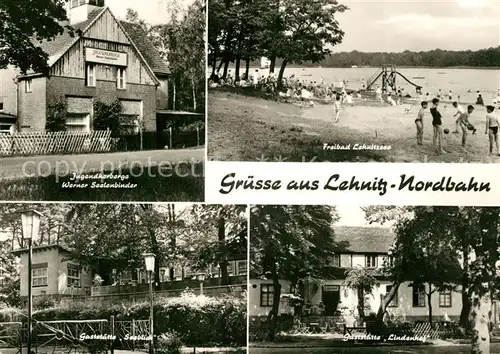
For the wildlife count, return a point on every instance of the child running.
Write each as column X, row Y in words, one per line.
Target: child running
column 337, row 108
column 437, row 126
column 419, row 122
column 492, row 128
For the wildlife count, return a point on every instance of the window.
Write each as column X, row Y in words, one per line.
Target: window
column 445, row 299
column 120, row 79
column 77, row 122
column 40, row 276
column 346, row 260
column 91, row 80
column 27, row 85
column 336, row 260
column 371, row 261
column 266, row 295
column 5, row 129
column 1, row 106
column 395, row 299
column 418, row 296
column 230, row 268
column 73, row 276
column 241, row 267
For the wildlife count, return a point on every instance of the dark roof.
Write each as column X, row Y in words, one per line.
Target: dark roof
column 20, row 251
column 60, row 44
column 147, row 49
column 356, row 239
column 56, row 47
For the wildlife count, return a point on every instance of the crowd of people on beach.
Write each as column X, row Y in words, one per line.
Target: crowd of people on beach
column 307, row 92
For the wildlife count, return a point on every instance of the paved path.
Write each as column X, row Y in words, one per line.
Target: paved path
column 421, row 349
column 31, row 166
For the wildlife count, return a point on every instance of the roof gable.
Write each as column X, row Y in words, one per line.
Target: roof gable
column 355, row 239
column 148, row 50
column 59, row 45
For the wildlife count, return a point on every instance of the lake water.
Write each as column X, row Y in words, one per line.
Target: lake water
column 459, row 81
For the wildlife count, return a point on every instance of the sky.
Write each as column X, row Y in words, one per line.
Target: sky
column 352, row 215
column 152, row 11
column 398, row 25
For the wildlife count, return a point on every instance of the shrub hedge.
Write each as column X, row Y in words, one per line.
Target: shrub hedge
column 198, row 320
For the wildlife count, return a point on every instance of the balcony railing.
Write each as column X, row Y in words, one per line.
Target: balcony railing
column 166, row 287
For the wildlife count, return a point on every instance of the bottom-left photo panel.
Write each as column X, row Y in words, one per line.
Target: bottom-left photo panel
column 104, row 278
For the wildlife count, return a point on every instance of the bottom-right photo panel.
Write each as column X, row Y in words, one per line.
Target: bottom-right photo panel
column 374, row 279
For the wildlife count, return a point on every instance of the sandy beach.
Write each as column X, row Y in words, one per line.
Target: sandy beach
column 245, row 128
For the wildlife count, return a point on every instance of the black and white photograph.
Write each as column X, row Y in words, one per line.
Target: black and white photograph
column 354, row 81
column 123, row 278
column 102, row 100
column 374, row 279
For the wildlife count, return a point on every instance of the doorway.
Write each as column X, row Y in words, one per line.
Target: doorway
column 330, row 297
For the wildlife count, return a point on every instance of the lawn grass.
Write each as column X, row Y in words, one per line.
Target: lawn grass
column 246, row 127
column 186, row 184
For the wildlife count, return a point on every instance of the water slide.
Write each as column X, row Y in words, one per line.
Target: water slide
column 404, row 77
column 373, row 79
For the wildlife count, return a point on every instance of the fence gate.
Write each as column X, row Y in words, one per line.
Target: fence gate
column 78, row 336
column 10, row 338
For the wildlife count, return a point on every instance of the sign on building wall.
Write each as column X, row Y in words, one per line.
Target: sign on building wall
column 107, row 57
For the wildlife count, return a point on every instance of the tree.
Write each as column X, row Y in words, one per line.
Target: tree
column 471, row 229
column 9, row 277
column 220, row 232
column 291, row 243
column 25, row 24
column 362, row 280
column 310, row 30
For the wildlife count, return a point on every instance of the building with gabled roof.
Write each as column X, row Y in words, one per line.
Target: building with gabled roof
column 102, row 59
column 368, row 248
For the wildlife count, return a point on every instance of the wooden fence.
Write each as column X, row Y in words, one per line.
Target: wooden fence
column 47, row 143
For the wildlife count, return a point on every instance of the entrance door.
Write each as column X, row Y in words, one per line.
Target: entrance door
column 330, row 297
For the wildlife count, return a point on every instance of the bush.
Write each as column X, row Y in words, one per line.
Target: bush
column 198, row 320
column 43, row 303
column 168, row 343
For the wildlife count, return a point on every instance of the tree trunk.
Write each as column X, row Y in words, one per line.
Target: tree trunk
column 282, row 71
column 247, row 68
column 274, row 314
column 272, row 65
column 214, row 63
column 226, row 66
column 429, row 302
column 361, row 306
column 464, row 322
column 221, row 231
column 480, row 318
column 194, row 94
column 237, row 69
column 385, row 300
column 174, row 95
column 220, row 65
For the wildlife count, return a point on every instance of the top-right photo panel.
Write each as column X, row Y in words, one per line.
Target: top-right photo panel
column 354, row 81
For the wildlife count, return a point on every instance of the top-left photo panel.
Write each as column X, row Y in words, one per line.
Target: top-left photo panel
column 102, row 100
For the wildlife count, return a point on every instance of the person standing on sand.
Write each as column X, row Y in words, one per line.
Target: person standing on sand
column 337, row 109
column 437, row 126
column 419, row 122
column 460, row 110
column 465, row 124
column 492, row 125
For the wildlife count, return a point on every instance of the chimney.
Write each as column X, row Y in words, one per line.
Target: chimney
column 79, row 10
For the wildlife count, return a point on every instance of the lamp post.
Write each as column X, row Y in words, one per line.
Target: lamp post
column 149, row 260
column 31, row 225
